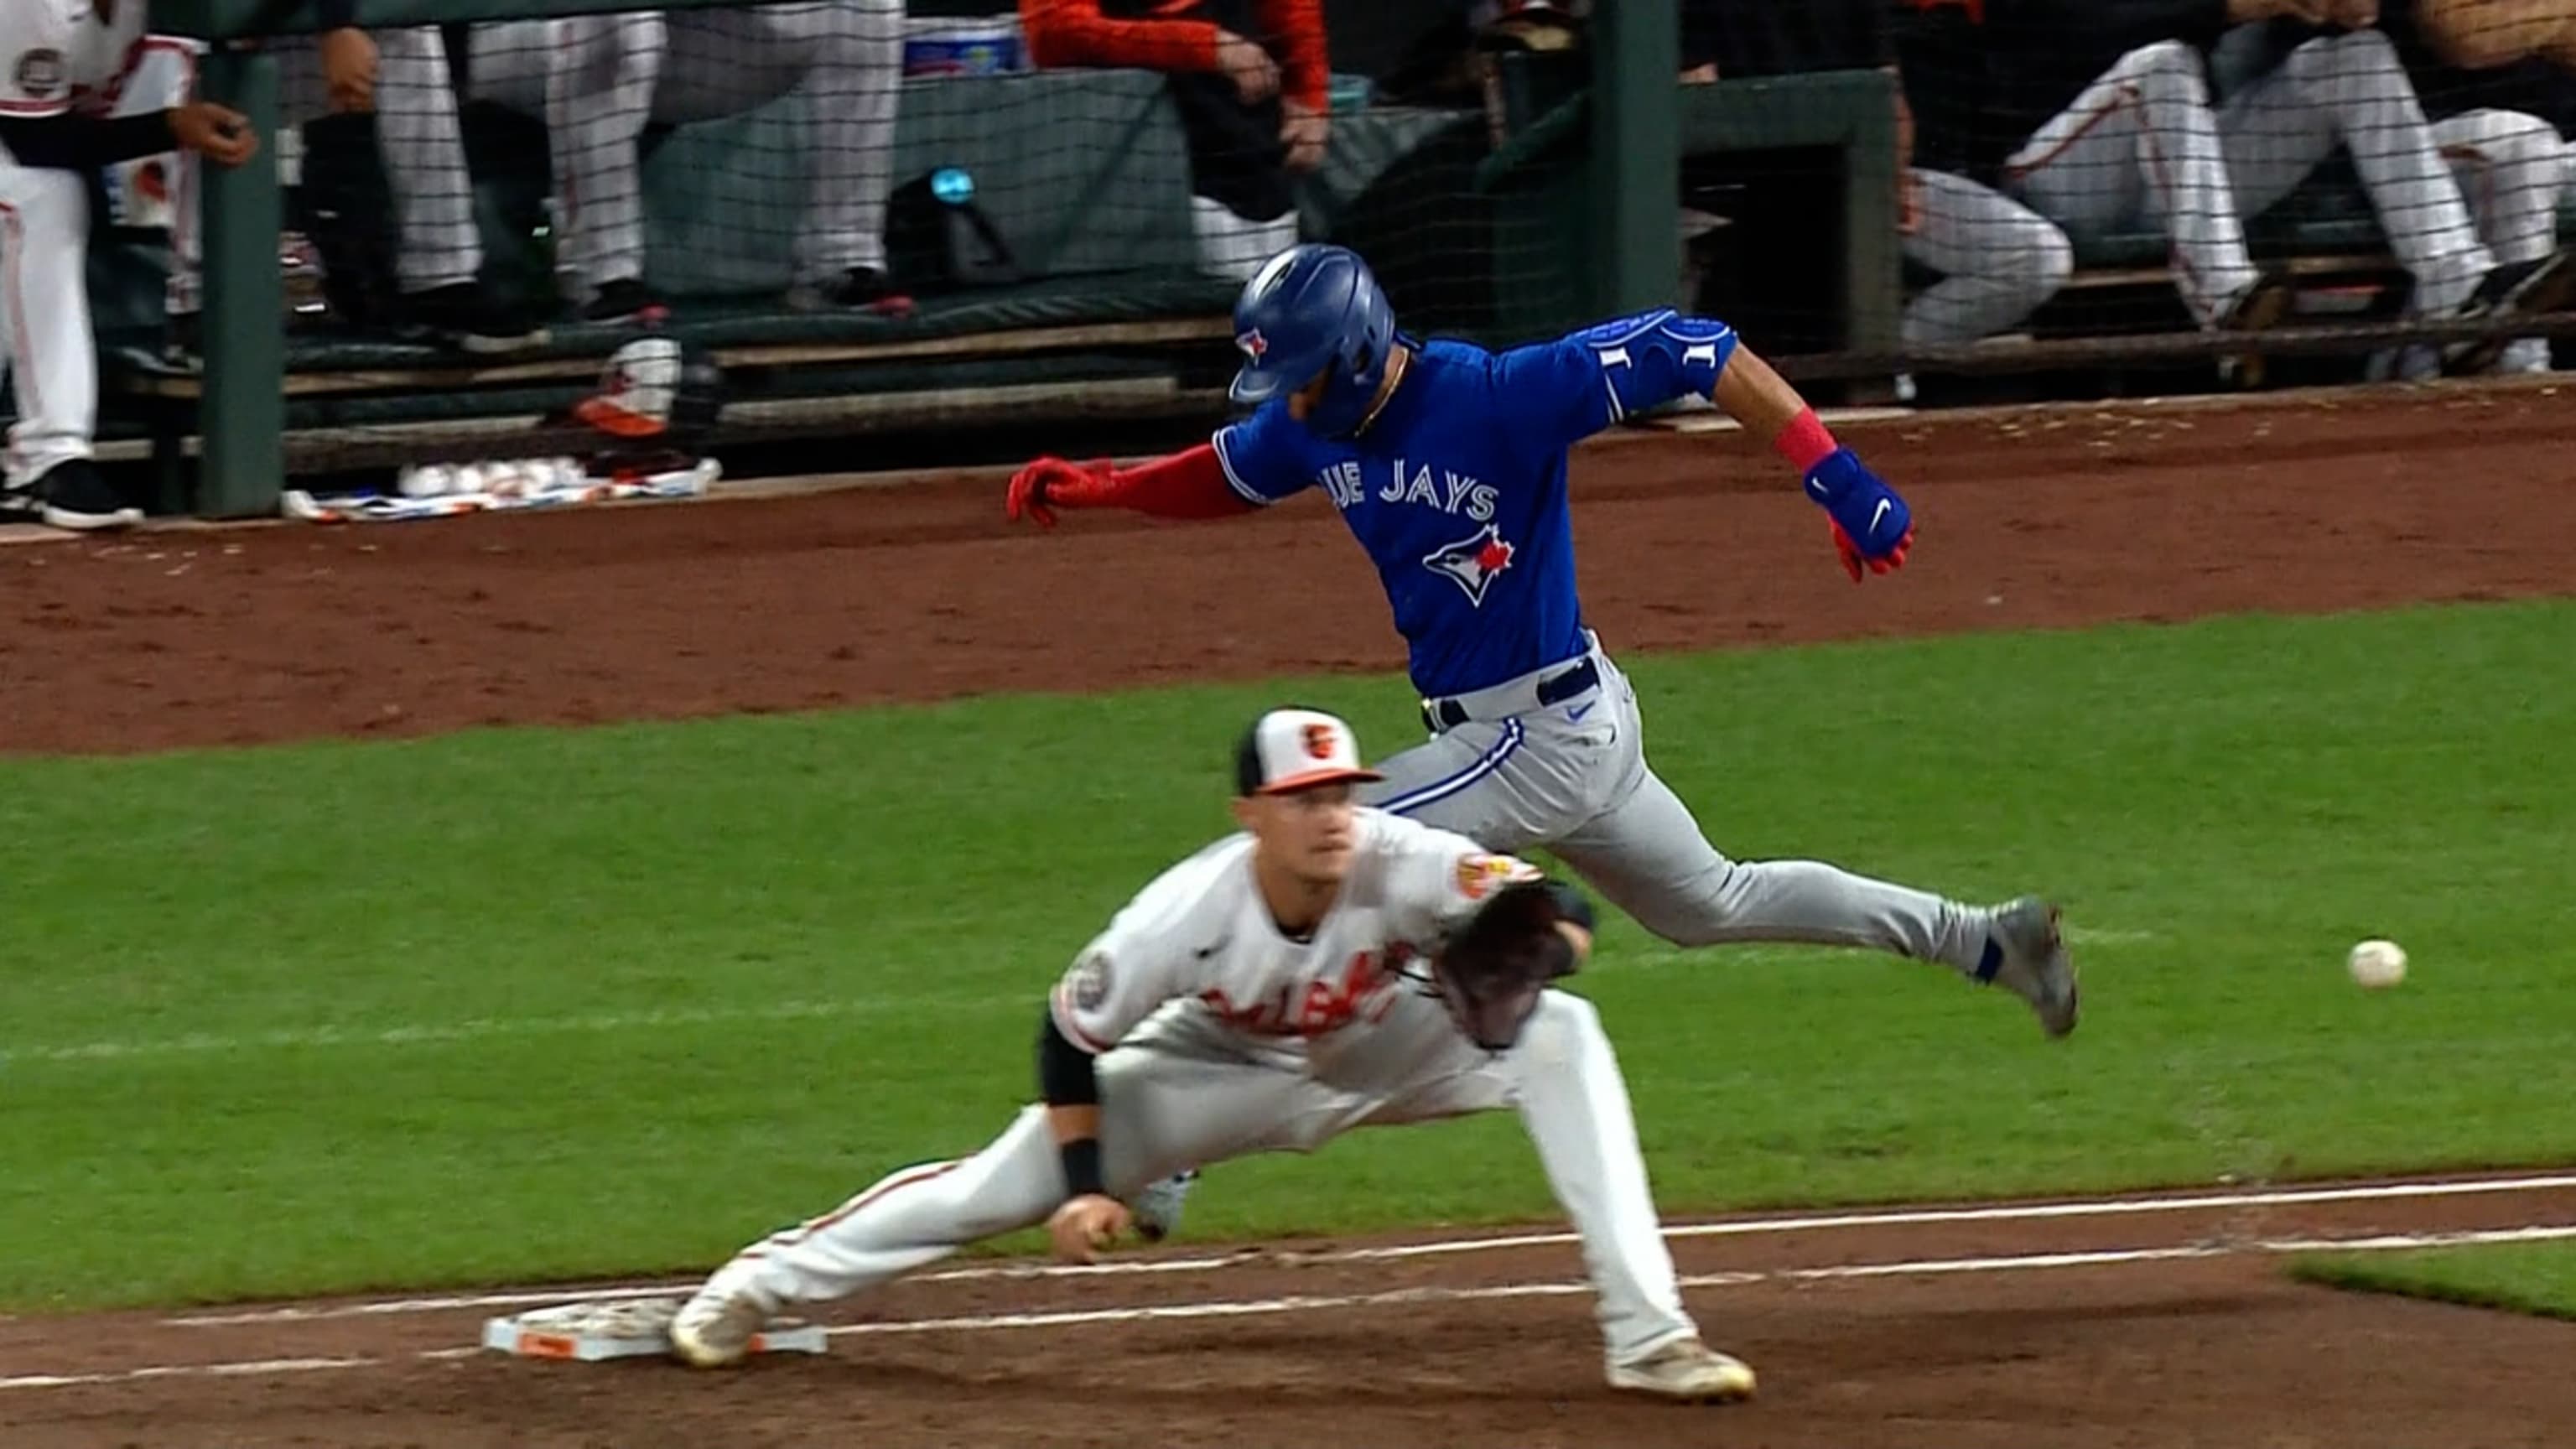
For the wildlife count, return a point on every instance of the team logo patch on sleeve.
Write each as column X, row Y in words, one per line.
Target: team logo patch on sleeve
column 1091, row 981
column 39, row 73
column 1473, row 562
column 1481, row 875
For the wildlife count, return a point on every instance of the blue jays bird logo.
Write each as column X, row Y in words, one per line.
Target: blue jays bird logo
column 1253, row 344
column 1473, row 562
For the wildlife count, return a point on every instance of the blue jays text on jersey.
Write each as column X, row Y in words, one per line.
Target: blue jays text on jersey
column 1457, row 490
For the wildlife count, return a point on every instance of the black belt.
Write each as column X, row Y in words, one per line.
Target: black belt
column 1448, row 714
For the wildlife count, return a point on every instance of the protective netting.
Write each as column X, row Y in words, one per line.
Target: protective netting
column 2107, row 169
column 850, row 191
column 827, row 154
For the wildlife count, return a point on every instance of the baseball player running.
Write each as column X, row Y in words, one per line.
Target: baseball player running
column 1448, row 463
column 1326, row 968
column 598, row 80
column 64, row 65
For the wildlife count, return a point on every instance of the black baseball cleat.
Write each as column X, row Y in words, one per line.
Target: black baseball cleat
column 71, row 495
column 2259, row 308
column 862, row 289
column 464, row 316
column 626, row 302
column 2543, row 284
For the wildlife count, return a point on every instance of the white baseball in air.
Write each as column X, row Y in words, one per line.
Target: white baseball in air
column 2377, row 965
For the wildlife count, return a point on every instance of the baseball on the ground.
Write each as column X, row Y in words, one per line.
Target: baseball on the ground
column 2378, row 964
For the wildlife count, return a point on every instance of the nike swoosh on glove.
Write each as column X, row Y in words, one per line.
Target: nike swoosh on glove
column 1872, row 527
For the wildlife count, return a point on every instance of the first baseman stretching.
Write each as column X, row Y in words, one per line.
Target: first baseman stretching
column 1328, row 967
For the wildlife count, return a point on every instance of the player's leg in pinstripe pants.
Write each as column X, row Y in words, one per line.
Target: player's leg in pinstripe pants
column 2512, row 168
column 2349, row 91
column 1998, row 259
column 419, row 138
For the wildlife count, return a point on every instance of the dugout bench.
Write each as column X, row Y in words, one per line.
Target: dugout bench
column 1083, row 174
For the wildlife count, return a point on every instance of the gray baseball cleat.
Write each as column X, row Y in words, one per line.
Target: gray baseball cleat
column 713, row 1330
column 1157, row 1208
column 2026, row 955
column 1686, row 1371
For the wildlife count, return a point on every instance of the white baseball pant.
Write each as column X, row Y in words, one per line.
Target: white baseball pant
column 47, row 341
column 598, row 80
column 45, row 337
column 418, row 136
column 2143, row 141
column 2350, row 90
column 2512, row 169
column 1185, row 1090
column 1998, row 259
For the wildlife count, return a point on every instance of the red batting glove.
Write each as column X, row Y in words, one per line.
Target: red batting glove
column 1040, row 488
column 1852, row 559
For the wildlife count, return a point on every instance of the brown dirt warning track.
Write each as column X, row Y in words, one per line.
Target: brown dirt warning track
column 2028, row 519
column 2154, row 1322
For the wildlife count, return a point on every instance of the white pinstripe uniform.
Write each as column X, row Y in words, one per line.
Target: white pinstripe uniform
column 2144, row 142
column 598, row 80
column 418, row 136
column 57, row 57
column 2512, row 169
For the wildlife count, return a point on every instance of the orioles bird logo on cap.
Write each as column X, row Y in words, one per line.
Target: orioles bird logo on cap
column 1319, row 741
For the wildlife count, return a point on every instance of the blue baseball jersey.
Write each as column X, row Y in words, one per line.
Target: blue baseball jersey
column 1457, row 489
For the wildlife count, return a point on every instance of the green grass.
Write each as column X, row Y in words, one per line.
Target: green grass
column 2537, row 1278
column 524, row 1003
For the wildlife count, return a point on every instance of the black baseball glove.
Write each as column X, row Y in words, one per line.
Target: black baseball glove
column 1494, row 965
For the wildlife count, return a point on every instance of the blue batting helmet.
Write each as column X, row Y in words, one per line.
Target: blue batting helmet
column 1314, row 311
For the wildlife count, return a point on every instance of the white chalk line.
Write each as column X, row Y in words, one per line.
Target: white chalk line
column 1742, row 1227
column 2022, row 1262
column 1329, row 1302
column 479, row 1028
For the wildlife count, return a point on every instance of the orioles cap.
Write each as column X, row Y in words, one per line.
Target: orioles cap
column 1288, row 750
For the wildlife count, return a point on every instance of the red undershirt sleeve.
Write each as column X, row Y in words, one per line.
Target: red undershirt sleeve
column 1188, row 484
